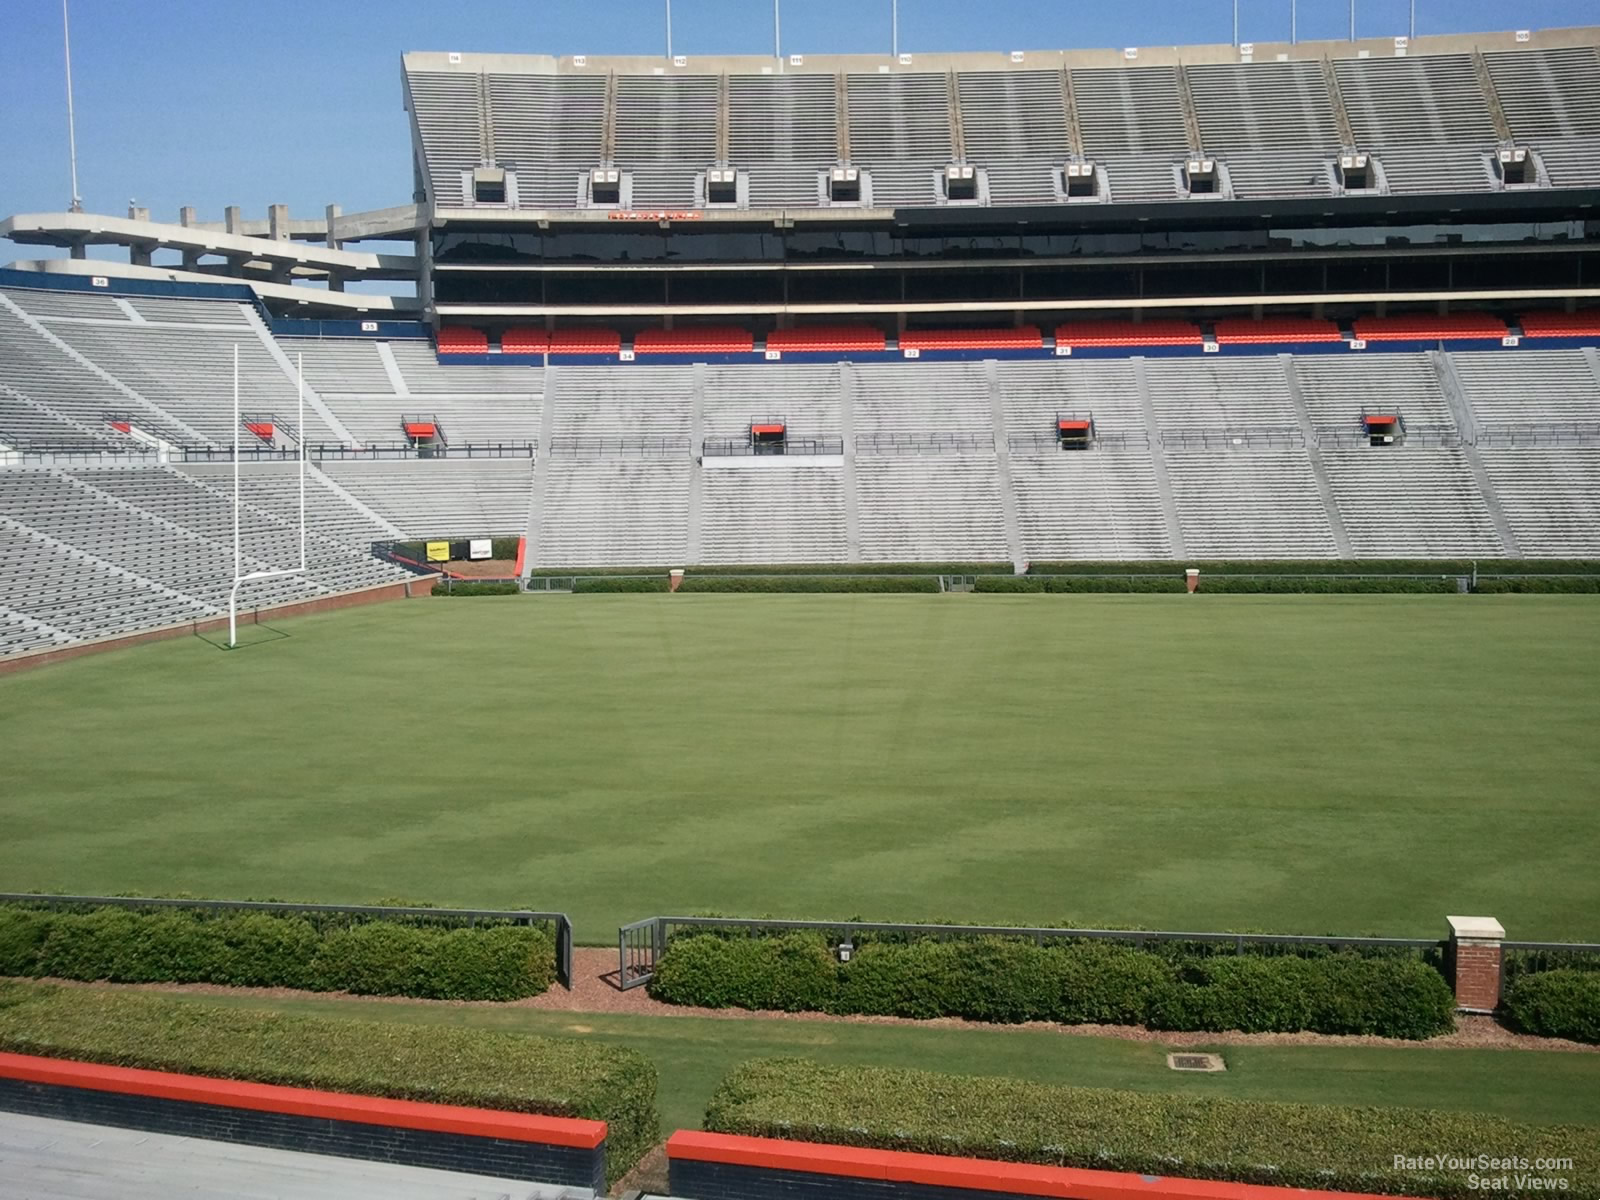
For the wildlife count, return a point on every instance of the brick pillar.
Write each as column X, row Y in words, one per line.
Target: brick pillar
column 1475, row 962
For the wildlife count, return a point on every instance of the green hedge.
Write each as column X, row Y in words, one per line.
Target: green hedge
column 1012, row 980
column 1549, row 585
column 810, row 583
column 1170, row 582
column 1564, row 1003
column 603, row 584
column 251, row 949
column 552, row 1076
column 460, row 587
column 1342, row 1148
column 1326, row 566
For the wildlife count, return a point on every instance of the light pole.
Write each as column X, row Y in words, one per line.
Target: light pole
column 72, row 130
column 669, row 30
column 894, row 28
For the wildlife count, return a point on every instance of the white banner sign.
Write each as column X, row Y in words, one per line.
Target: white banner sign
column 480, row 548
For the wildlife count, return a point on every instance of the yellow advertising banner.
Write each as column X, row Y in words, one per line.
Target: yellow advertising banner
column 438, row 551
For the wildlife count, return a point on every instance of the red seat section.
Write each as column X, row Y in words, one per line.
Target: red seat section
column 1239, row 331
column 1128, row 333
column 827, row 337
column 1562, row 324
column 524, row 341
column 585, row 341
column 1023, row 337
column 1429, row 327
column 703, row 339
column 458, row 339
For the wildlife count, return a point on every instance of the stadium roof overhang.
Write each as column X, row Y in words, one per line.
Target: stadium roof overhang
column 243, row 255
column 285, row 299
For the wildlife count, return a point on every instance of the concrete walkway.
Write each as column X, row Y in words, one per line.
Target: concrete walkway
column 43, row 1159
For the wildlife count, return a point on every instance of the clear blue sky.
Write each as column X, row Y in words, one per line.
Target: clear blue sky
column 216, row 102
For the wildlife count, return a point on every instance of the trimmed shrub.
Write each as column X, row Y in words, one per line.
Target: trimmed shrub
column 1008, row 980
column 602, row 584
column 1343, row 1148
column 552, row 1076
column 505, row 962
column 1325, row 566
column 22, row 933
column 255, row 949
column 793, row 972
column 1564, row 1003
column 809, row 583
column 488, row 587
column 1278, row 585
column 1548, row 586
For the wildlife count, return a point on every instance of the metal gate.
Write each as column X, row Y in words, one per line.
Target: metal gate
column 638, row 947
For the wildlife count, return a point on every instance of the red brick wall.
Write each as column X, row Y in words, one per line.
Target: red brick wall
column 1477, row 976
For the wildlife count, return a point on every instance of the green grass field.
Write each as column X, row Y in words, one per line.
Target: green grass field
column 693, row 1054
column 1294, row 764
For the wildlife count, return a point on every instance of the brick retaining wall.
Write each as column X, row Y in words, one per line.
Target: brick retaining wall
column 399, row 590
column 715, row 1166
column 554, row 1150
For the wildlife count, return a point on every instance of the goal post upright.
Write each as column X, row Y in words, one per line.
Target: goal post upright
column 239, row 577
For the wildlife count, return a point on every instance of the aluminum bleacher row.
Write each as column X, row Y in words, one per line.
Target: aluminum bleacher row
column 105, row 532
column 1428, row 122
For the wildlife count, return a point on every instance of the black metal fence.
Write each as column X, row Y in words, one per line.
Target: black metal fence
column 641, row 944
column 325, row 914
column 1532, row 958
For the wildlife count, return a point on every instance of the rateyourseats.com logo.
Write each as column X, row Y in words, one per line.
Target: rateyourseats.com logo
column 1494, row 1173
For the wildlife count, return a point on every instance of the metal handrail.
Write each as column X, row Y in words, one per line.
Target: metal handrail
column 743, row 447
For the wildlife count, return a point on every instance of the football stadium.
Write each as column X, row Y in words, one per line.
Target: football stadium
column 911, row 626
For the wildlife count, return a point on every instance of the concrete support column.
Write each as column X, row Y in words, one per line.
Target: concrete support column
column 278, row 222
column 140, row 254
column 186, row 216
column 1475, row 962
column 77, row 251
column 333, row 213
column 138, row 214
column 231, row 219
